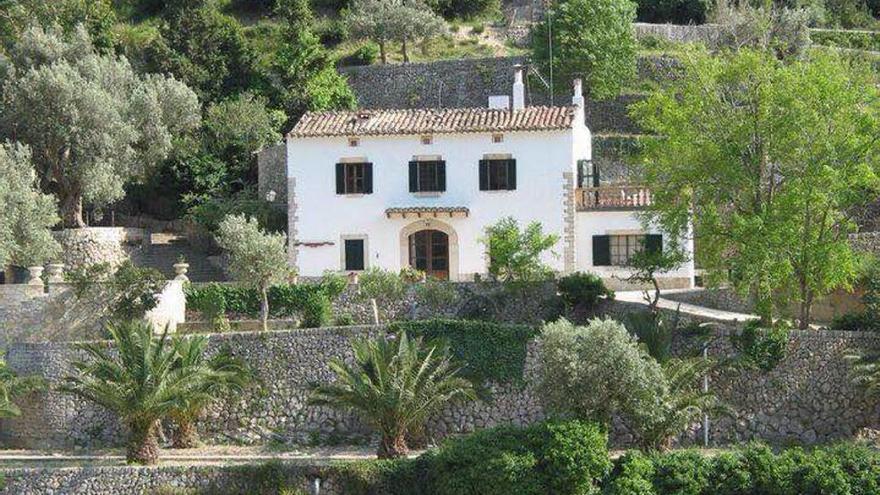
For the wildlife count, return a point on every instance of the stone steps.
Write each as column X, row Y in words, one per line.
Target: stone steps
column 165, row 250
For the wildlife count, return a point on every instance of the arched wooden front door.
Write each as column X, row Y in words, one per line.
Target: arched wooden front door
column 429, row 252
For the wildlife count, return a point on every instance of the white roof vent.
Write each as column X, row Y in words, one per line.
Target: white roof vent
column 500, row 102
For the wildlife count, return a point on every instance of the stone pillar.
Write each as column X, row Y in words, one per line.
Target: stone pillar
column 35, row 274
column 180, row 270
column 291, row 222
column 55, row 272
column 569, row 237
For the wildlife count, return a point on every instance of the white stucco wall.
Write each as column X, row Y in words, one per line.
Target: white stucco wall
column 590, row 223
column 322, row 216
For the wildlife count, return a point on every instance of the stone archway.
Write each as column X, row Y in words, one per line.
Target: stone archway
column 432, row 225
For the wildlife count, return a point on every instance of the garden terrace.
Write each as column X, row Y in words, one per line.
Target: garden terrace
column 613, row 198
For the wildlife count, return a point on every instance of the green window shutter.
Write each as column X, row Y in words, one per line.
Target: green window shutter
column 354, row 254
column 511, row 175
column 340, row 178
column 441, row 176
column 601, row 250
column 654, row 243
column 484, row 175
column 413, row 176
column 368, row 178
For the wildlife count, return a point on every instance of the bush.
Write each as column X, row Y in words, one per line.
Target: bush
column 582, row 289
column 599, row 372
column 464, row 8
column 673, row 11
column 859, row 40
column 683, row 472
column 856, row 322
column 382, row 285
column 633, row 474
column 491, row 352
column 552, row 457
column 365, row 54
column 761, row 348
column 311, row 302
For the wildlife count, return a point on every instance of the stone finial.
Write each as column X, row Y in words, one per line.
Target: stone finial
column 34, row 275
column 180, row 270
column 55, row 272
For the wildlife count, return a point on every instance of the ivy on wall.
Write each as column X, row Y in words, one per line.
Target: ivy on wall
column 491, row 352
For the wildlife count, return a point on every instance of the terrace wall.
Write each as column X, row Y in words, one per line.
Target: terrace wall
column 808, row 398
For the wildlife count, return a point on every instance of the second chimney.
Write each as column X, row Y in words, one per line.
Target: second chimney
column 519, row 93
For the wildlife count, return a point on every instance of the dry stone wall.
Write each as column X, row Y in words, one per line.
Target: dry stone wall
column 809, row 397
column 134, row 480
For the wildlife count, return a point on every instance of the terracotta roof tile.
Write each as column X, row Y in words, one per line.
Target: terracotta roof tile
column 432, row 121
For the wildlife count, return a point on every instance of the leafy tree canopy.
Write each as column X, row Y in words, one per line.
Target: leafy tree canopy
column 98, row 17
column 92, row 123
column 516, row 254
column 770, row 160
column 27, row 214
column 591, row 39
column 393, row 20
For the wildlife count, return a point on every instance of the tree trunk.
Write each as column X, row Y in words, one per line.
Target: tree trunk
column 382, row 53
column 186, row 436
column 72, row 211
column 143, row 446
column 806, row 309
column 392, row 446
column 264, row 308
column 404, row 51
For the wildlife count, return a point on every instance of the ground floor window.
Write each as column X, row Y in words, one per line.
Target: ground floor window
column 618, row 250
column 354, row 255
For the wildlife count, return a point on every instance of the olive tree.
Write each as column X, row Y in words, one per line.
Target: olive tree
column 401, row 21
column 515, row 254
column 256, row 258
column 26, row 214
column 92, row 123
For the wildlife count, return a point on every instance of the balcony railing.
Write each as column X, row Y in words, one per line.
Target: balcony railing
column 613, row 197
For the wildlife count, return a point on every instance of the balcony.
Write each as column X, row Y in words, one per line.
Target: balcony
column 619, row 197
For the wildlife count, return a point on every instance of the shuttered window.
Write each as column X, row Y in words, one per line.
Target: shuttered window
column 354, row 178
column 618, row 250
column 354, row 254
column 497, row 175
column 587, row 174
column 427, row 176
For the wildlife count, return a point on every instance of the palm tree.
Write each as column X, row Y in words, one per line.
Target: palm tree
column 139, row 379
column 683, row 405
column 865, row 370
column 221, row 373
column 12, row 387
column 395, row 384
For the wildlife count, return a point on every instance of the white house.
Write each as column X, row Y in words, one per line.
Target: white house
column 398, row 188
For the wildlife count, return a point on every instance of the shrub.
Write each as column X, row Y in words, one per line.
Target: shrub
column 632, row 475
column 491, row 352
column 464, row 8
column 859, row 40
column 682, row 472
column 761, row 348
column 598, row 372
column 436, row 295
column 855, row 322
column 551, row 457
column 365, row 54
column 673, row 11
column 516, row 254
column 582, row 289
column 311, row 302
column 379, row 284
column 128, row 291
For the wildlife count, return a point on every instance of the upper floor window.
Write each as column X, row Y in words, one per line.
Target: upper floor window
column 354, row 178
column 587, row 174
column 618, row 250
column 498, row 174
column 427, row 176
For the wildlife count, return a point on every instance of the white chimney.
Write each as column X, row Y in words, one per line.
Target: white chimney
column 578, row 98
column 519, row 94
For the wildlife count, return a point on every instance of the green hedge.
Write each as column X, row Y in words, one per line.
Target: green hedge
column 561, row 458
column 491, row 352
column 312, row 302
column 859, row 40
column 572, row 458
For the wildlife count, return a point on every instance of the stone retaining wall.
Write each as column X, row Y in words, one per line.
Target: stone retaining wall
column 809, row 397
column 165, row 480
column 86, row 246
